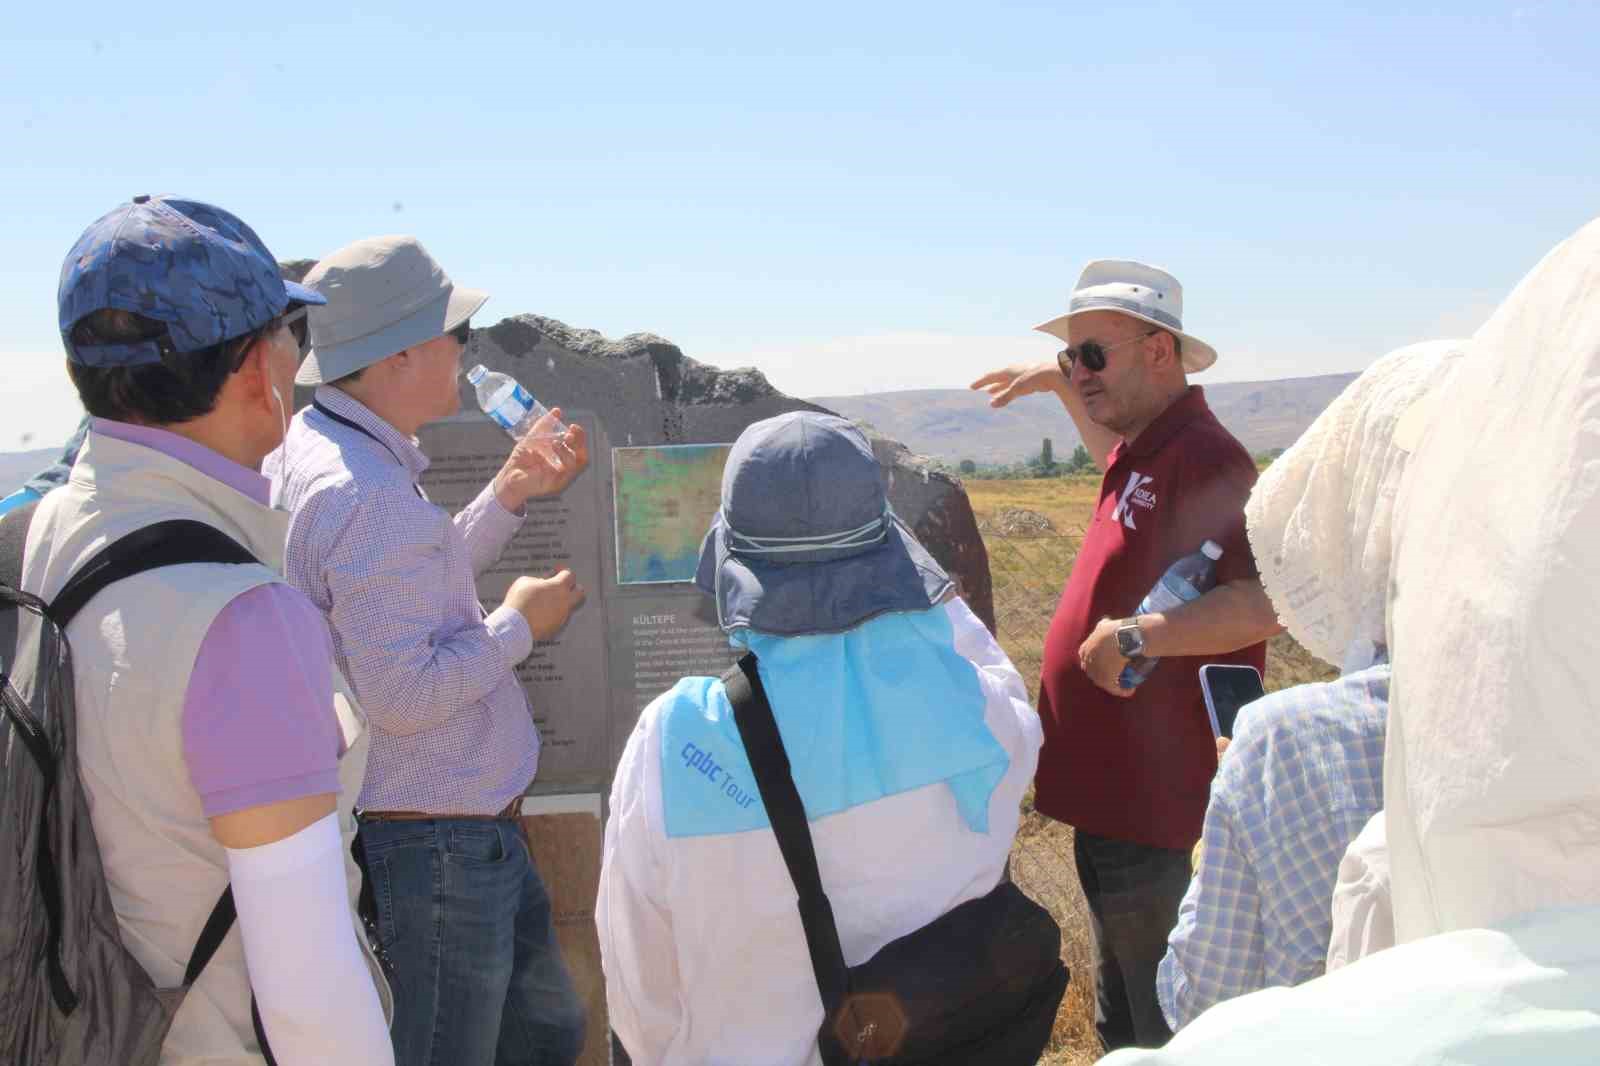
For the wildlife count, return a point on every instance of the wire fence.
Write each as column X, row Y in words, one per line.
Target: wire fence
column 1028, row 564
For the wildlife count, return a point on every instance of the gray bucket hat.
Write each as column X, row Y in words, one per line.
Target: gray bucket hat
column 385, row 294
column 805, row 541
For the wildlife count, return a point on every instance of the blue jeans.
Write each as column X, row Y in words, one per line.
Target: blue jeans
column 478, row 977
column 1133, row 892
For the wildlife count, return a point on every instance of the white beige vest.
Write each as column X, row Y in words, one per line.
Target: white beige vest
column 133, row 648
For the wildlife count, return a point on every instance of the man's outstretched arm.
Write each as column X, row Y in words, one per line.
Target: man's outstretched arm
column 1025, row 379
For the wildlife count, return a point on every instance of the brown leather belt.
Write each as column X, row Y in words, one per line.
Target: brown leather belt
column 511, row 810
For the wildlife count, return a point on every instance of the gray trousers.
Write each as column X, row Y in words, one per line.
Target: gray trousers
column 1133, row 892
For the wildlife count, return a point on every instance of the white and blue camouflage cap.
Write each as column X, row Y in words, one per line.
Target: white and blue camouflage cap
column 193, row 267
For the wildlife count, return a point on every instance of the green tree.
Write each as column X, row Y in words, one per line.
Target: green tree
column 1080, row 460
column 1047, row 454
column 1264, row 459
column 969, row 467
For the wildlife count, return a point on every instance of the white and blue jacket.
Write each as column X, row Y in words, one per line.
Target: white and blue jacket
column 912, row 740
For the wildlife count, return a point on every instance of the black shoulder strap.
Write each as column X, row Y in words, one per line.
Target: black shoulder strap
column 350, row 423
column 211, row 937
column 169, row 543
column 770, row 763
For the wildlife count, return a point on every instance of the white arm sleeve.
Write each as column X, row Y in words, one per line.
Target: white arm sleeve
column 311, row 982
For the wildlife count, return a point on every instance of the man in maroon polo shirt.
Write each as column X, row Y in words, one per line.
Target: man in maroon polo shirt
column 1130, row 769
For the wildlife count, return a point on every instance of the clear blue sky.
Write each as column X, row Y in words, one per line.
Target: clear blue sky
column 853, row 197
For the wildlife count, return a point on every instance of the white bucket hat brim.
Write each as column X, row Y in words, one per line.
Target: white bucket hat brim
column 384, row 295
column 1139, row 291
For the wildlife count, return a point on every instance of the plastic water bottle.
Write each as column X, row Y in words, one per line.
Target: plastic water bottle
column 1185, row 581
column 511, row 406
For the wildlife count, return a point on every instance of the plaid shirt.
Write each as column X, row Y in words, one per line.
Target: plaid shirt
column 1303, row 775
column 453, row 733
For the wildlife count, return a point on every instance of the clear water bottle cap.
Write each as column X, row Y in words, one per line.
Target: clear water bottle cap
column 1211, row 550
column 475, row 375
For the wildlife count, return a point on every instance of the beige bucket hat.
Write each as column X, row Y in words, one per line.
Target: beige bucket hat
column 385, row 294
column 1321, row 517
column 1140, row 291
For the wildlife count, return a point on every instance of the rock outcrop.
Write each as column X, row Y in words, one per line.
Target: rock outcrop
column 649, row 392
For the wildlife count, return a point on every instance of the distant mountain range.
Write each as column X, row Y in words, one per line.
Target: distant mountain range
column 957, row 424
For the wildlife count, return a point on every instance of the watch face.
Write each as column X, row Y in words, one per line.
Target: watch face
column 1130, row 641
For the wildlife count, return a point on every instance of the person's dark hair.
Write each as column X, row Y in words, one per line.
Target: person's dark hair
column 183, row 386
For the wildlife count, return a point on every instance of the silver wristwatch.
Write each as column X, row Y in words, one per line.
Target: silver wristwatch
column 1130, row 638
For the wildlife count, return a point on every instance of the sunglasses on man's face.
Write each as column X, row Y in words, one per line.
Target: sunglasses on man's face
column 1092, row 354
column 463, row 333
column 300, row 327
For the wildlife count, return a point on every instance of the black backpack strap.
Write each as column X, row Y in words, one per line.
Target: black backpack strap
column 170, row 543
column 770, row 764
column 211, row 937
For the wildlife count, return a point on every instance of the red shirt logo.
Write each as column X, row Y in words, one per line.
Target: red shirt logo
column 1134, row 494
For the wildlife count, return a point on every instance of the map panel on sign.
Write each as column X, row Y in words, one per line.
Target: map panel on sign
column 665, row 498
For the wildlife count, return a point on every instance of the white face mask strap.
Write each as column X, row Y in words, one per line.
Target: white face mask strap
column 863, row 535
column 283, row 445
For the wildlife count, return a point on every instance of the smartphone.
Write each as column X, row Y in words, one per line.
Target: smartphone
column 1227, row 689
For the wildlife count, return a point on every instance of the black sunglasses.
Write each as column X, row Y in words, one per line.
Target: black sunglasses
column 1092, row 354
column 463, row 332
column 293, row 320
column 299, row 326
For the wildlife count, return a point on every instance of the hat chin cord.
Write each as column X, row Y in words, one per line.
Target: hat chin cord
column 862, row 536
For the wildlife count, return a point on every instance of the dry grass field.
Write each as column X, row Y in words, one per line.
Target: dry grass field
column 1032, row 530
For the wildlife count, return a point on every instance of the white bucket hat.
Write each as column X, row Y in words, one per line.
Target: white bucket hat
column 1137, row 290
column 1492, row 768
column 1320, row 517
column 385, row 294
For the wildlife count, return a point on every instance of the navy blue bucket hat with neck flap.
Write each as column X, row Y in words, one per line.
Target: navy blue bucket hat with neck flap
column 805, row 541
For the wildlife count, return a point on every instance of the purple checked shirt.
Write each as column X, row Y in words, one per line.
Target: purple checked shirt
column 258, row 719
column 396, row 577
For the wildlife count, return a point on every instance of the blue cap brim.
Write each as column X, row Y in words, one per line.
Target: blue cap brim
column 299, row 293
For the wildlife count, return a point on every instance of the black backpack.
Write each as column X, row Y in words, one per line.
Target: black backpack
column 70, row 993
column 978, row 986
